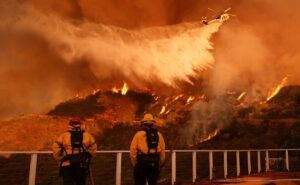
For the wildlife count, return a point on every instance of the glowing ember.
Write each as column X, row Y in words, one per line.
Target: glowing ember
column 202, row 97
column 177, row 97
column 163, row 109
column 277, row 88
column 191, row 98
column 167, row 111
column 210, row 136
column 124, row 89
column 79, row 96
column 115, row 90
column 95, row 91
column 243, row 94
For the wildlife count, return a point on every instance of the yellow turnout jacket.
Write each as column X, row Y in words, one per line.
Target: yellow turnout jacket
column 139, row 145
column 62, row 146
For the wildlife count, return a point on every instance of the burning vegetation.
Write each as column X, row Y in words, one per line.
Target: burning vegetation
column 196, row 118
column 192, row 120
column 193, row 90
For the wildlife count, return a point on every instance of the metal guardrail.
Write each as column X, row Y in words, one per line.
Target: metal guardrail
column 118, row 180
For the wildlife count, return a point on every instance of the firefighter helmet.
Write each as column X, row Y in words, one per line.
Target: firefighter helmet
column 148, row 119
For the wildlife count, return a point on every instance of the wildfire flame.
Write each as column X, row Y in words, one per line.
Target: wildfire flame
column 177, row 97
column 273, row 93
column 124, row 89
column 243, row 94
column 163, row 109
column 95, row 91
column 191, row 98
column 115, row 90
column 210, row 136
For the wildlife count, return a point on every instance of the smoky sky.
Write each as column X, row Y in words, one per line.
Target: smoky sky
column 252, row 51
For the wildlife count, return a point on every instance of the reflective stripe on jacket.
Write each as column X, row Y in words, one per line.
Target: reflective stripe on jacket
column 62, row 146
column 139, row 145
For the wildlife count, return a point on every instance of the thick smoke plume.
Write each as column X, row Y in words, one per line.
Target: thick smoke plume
column 258, row 49
column 160, row 54
column 165, row 53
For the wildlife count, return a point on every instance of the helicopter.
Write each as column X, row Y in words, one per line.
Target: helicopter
column 221, row 17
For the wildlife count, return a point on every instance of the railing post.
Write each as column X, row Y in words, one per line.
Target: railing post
column 211, row 165
column 249, row 162
column 267, row 161
column 238, row 170
column 225, row 164
column 287, row 164
column 118, row 168
column 173, row 167
column 258, row 162
column 32, row 170
column 194, row 166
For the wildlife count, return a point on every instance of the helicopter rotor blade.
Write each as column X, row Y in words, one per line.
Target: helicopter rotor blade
column 227, row 10
column 232, row 15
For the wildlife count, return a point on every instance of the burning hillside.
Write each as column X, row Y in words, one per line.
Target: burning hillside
column 196, row 118
column 120, row 105
column 194, row 78
column 80, row 45
column 195, row 121
column 283, row 105
column 90, row 53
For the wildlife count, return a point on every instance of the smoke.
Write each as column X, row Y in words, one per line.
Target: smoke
column 206, row 118
column 257, row 49
column 243, row 64
column 43, row 47
column 254, row 51
column 165, row 53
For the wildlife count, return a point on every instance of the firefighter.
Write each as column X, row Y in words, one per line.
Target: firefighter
column 147, row 152
column 74, row 150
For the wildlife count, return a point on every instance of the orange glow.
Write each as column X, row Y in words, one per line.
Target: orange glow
column 191, row 98
column 95, row 91
column 124, row 89
column 210, row 136
column 177, row 97
column 79, row 96
column 202, row 97
column 115, row 90
column 273, row 93
column 163, row 109
column 243, row 94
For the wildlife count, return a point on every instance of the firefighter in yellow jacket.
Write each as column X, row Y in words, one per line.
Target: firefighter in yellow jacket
column 74, row 150
column 147, row 152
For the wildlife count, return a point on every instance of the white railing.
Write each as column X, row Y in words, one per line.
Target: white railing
column 118, row 180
